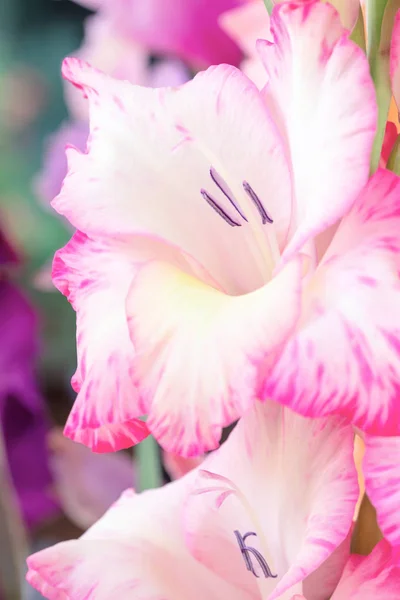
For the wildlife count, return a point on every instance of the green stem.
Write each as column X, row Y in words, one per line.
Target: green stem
column 378, row 58
column 269, row 5
column 147, row 457
column 380, row 76
column 13, row 542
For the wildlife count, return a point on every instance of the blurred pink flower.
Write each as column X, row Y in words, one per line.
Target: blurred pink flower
column 194, row 273
column 225, row 530
column 187, row 29
column 246, row 24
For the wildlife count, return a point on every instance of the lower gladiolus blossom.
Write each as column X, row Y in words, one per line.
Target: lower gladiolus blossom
column 199, row 275
column 225, row 530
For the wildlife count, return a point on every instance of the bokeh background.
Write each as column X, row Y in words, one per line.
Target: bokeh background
column 34, row 38
column 37, row 324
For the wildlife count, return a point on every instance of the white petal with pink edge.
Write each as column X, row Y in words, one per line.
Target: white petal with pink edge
column 136, row 550
column 283, row 485
column 195, row 165
column 345, row 355
column 95, row 277
column 115, row 54
column 381, row 468
column 321, row 94
column 201, row 355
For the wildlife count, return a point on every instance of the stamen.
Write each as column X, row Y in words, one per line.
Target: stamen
column 247, row 551
column 218, row 209
column 251, row 193
column 223, row 186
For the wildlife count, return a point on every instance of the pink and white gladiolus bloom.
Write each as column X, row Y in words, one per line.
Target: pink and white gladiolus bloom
column 225, row 531
column 205, row 272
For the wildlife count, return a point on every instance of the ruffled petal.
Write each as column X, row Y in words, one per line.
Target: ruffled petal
column 345, row 356
column 49, row 181
column 136, row 550
column 95, row 277
column 282, row 485
column 202, row 355
column 184, row 164
column 381, row 467
column 115, row 54
column 321, row 94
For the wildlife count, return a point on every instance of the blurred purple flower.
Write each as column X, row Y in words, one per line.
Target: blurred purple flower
column 22, row 413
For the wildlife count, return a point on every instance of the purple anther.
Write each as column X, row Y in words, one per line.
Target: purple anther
column 248, row 552
column 218, row 209
column 264, row 215
column 223, row 186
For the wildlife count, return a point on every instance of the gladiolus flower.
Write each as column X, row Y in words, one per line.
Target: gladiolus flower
column 224, row 531
column 194, row 273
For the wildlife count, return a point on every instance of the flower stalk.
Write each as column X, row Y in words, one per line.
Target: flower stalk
column 380, row 18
